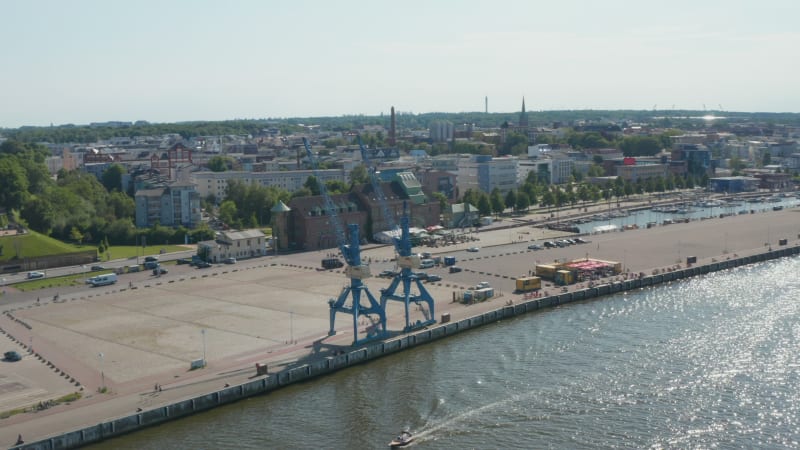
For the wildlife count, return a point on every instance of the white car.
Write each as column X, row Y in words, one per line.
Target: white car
column 473, row 249
column 32, row 275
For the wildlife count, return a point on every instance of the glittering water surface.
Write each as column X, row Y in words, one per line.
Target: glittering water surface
column 705, row 363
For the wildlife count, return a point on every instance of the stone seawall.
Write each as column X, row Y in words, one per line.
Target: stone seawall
column 271, row 382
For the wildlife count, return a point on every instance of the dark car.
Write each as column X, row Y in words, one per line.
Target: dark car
column 12, row 356
column 150, row 258
column 549, row 244
column 387, row 273
column 184, row 261
column 95, row 268
column 202, row 265
column 160, row 271
column 432, row 278
column 454, row 269
column 579, row 240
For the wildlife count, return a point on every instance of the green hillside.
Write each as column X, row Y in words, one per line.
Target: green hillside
column 33, row 244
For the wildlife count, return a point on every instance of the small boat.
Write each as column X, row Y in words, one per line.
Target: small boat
column 402, row 440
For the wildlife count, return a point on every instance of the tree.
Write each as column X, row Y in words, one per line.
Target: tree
column 596, row 170
column 336, row 187
column 640, row 145
column 441, row 198
column 484, row 205
column 511, row 199
column 498, row 206
column 515, row 144
column 228, row 211
column 219, row 163
column 522, row 202
column 312, row 184
column 13, row 183
column 736, row 164
column 547, row 198
column 112, row 178
column 76, row 235
column 359, row 175
column 470, row 196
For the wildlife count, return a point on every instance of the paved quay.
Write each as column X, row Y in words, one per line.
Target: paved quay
column 274, row 310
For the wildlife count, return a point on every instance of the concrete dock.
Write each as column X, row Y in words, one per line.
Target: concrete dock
column 274, row 311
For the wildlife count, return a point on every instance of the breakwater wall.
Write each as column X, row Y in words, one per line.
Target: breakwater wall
column 327, row 365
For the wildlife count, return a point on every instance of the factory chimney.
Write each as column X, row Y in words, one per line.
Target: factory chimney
column 393, row 130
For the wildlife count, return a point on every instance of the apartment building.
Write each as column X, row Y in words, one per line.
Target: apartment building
column 485, row 173
column 216, row 183
column 171, row 205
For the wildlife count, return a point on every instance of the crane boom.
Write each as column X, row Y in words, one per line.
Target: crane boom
column 330, row 208
column 354, row 270
column 376, row 186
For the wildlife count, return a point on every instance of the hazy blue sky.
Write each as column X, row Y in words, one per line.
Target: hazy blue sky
column 86, row 61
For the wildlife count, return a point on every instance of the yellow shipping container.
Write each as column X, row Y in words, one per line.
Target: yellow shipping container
column 525, row 284
column 546, row 271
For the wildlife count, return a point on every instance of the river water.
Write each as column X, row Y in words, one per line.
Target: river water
column 710, row 362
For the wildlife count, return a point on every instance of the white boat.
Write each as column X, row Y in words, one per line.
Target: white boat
column 402, row 440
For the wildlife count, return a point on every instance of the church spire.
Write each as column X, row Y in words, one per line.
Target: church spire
column 523, row 116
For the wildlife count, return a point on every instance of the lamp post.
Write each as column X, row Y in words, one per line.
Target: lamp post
column 291, row 326
column 203, row 333
column 102, row 374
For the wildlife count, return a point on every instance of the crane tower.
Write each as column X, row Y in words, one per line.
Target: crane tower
column 405, row 259
column 356, row 291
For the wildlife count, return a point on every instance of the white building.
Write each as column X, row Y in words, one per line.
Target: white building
column 216, row 183
column 482, row 172
column 234, row 244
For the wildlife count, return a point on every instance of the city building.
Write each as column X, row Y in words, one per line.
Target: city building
column 485, row 173
column 733, row 185
column 171, row 205
column 216, row 183
column 233, row 244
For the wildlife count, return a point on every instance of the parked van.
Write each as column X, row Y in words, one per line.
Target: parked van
column 103, row 280
column 427, row 263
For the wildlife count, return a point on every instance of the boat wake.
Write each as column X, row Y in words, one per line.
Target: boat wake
column 435, row 428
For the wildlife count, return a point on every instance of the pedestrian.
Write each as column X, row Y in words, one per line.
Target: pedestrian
column 37, row 299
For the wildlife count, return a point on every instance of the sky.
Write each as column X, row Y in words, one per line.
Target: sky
column 85, row 61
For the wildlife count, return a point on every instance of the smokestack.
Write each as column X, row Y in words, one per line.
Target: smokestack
column 393, row 130
column 486, row 103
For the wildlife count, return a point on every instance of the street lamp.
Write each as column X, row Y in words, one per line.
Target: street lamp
column 291, row 326
column 102, row 374
column 203, row 333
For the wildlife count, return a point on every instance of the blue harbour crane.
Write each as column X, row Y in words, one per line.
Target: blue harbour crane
column 405, row 259
column 357, row 290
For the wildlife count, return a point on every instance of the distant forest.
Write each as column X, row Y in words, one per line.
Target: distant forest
column 683, row 119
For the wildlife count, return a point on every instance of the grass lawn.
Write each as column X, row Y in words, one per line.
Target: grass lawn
column 33, row 244
column 78, row 279
column 131, row 251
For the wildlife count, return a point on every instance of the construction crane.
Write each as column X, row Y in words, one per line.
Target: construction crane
column 357, row 272
column 405, row 259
